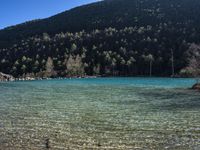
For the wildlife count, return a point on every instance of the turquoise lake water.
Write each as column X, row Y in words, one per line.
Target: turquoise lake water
column 101, row 113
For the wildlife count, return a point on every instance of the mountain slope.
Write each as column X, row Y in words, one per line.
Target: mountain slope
column 114, row 13
column 139, row 28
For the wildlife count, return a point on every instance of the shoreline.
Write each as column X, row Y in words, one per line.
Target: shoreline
column 86, row 77
column 46, row 78
column 10, row 78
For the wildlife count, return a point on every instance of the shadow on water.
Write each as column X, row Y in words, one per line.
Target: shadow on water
column 159, row 99
column 171, row 99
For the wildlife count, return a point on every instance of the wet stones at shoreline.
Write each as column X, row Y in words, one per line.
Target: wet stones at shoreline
column 6, row 77
column 11, row 78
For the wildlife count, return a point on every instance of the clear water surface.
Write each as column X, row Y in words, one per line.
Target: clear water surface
column 102, row 113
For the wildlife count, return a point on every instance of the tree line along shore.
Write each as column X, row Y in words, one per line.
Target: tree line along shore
column 107, row 38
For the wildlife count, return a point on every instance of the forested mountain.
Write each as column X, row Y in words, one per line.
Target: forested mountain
column 111, row 37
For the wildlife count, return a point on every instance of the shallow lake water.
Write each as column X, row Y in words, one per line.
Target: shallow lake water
column 101, row 113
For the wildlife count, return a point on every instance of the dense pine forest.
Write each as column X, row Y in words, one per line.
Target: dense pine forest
column 111, row 37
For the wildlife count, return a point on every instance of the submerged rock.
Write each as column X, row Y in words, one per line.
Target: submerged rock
column 196, row 86
column 47, row 143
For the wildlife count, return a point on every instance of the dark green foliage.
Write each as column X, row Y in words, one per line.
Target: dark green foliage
column 109, row 51
column 113, row 37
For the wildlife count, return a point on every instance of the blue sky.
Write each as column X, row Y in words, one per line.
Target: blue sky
column 13, row 12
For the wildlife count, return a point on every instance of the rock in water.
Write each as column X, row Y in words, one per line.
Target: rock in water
column 196, row 86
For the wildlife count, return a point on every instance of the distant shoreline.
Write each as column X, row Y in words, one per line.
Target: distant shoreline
column 87, row 77
column 45, row 78
column 10, row 78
